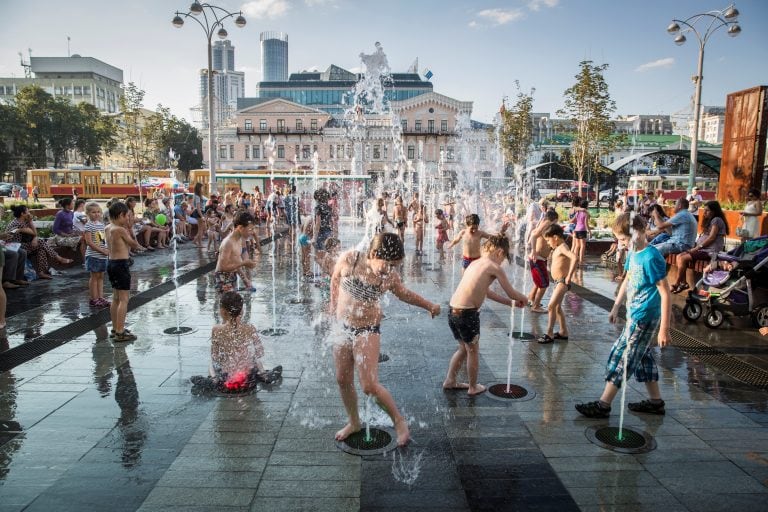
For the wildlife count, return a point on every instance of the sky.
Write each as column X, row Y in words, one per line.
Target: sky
column 476, row 49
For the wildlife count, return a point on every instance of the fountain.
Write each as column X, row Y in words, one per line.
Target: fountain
column 269, row 146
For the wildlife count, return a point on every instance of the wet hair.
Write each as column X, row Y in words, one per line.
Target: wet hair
column 622, row 224
column 585, row 204
column 117, row 209
column 551, row 215
column 387, row 247
column 232, row 303
column 321, row 195
column 78, row 203
column 64, row 202
column 331, row 242
column 243, row 218
column 472, row 219
column 553, row 230
column 717, row 213
column 18, row 210
column 499, row 241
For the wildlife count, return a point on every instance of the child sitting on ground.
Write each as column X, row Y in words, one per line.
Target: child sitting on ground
column 470, row 238
column 648, row 308
column 563, row 267
column 464, row 314
column 236, row 353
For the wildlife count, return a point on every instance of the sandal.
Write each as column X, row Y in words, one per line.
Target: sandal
column 559, row 336
column 679, row 288
column 544, row 339
column 593, row 410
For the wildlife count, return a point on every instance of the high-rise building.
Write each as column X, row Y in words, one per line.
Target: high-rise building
column 223, row 56
column 274, row 56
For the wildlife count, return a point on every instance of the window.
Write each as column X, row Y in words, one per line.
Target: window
column 482, row 153
column 330, row 152
column 411, row 152
column 339, row 151
column 431, row 126
column 281, row 151
column 296, row 151
column 349, row 151
column 444, row 125
column 247, row 152
column 281, row 125
column 313, row 124
column 376, row 152
column 418, row 125
column 58, row 90
column 263, row 125
column 248, row 125
column 86, row 90
column 305, row 153
column 231, row 151
column 299, row 125
column 78, row 90
column 404, row 124
column 385, row 151
column 223, row 152
column 256, row 152
column 450, row 154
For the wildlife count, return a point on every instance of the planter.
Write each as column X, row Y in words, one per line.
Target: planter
column 733, row 217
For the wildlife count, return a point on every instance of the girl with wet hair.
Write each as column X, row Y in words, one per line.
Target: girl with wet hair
column 236, row 352
column 358, row 282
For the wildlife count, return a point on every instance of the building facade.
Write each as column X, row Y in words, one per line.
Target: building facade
column 274, row 56
column 79, row 79
column 228, row 84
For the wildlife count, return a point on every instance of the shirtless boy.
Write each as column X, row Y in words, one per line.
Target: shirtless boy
column 470, row 238
column 540, row 251
column 464, row 315
column 563, row 265
column 119, row 242
column 401, row 217
column 231, row 254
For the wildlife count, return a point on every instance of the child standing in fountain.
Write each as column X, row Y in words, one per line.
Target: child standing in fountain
column 563, row 266
column 648, row 296
column 441, row 225
column 470, row 239
column 119, row 241
column 236, row 352
column 96, row 255
column 231, row 254
column 464, row 313
column 419, row 218
column 358, row 282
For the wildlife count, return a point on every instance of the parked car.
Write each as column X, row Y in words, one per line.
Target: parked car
column 570, row 195
column 6, row 189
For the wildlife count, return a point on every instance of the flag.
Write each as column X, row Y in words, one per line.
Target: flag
column 428, row 73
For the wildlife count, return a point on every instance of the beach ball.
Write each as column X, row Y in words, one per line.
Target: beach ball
column 160, row 219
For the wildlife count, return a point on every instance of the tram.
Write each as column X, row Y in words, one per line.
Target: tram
column 99, row 183
column 674, row 186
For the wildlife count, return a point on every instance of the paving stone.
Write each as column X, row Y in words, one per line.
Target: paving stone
column 176, row 496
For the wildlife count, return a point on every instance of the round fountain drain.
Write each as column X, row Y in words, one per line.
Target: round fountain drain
column 274, row 332
column 631, row 440
column 298, row 301
column 381, row 440
column 522, row 336
column 383, row 357
column 516, row 393
column 177, row 331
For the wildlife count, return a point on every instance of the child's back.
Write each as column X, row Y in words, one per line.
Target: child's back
column 234, row 348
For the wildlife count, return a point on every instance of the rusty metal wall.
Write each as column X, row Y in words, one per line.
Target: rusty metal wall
column 746, row 126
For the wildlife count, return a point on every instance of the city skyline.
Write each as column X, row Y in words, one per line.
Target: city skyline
column 476, row 50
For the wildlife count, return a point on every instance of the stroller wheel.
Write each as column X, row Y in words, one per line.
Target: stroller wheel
column 714, row 318
column 760, row 315
column 692, row 311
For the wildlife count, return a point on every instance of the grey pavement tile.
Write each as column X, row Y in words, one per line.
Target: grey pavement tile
column 605, row 462
column 190, row 508
column 218, row 479
column 723, row 502
column 294, row 458
column 639, row 507
column 404, row 499
column 309, row 489
column 620, row 495
column 217, row 450
column 714, row 484
column 753, row 462
column 322, row 444
column 214, row 437
column 226, row 464
column 176, row 496
column 314, row 504
column 306, row 473
column 597, row 479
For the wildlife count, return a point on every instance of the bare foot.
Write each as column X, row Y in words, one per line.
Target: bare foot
column 43, row 275
column 403, row 434
column 455, row 385
column 476, row 390
column 538, row 309
column 347, row 431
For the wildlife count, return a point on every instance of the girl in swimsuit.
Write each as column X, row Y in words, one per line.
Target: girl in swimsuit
column 358, row 282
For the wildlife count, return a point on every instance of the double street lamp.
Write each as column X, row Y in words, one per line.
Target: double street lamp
column 213, row 17
column 710, row 21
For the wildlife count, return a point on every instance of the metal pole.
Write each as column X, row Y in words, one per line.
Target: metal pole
column 696, row 116
column 211, row 120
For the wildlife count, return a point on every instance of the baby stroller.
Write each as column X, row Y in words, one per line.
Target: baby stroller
column 740, row 290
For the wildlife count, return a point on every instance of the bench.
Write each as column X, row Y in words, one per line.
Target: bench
column 698, row 266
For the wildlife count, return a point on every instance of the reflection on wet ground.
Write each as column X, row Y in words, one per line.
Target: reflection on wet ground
column 106, row 426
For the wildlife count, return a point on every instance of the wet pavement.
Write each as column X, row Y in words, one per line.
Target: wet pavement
column 92, row 425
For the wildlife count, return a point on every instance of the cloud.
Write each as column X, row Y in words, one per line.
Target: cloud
column 660, row 63
column 473, row 24
column 501, row 16
column 322, row 3
column 535, row 5
column 265, row 9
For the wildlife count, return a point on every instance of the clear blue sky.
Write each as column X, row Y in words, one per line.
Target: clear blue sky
column 476, row 49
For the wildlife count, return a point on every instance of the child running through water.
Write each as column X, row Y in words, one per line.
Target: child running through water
column 563, row 267
column 649, row 308
column 236, row 352
column 358, row 282
column 119, row 241
column 96, row 255
column 464, row 315
column 470, row 238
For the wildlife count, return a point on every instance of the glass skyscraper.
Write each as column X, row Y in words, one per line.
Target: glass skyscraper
column 274, row 56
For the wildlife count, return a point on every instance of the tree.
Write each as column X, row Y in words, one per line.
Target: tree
column 9, row 133
column 33, row 107
column 96, row 134
column 589, row 106
column 184, row 140
column 141, row 131
column 516, row 129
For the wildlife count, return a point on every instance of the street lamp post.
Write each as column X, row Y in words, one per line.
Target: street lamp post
column 713, row 20
column 213, row 17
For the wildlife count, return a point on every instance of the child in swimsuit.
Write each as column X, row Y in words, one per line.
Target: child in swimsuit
column 470, row 238
column 419, row 219
column 563, row 266
column 358, row 282
column 441, row 225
